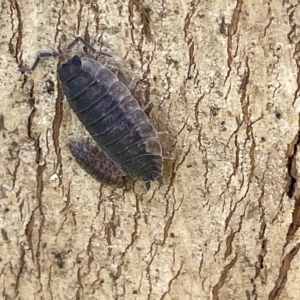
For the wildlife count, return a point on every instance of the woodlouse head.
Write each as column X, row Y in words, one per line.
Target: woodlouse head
column 69, row 69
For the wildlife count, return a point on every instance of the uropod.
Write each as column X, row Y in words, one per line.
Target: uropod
column 112, row 116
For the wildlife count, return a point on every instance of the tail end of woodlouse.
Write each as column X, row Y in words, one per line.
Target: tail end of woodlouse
column 157, row 178
column 160, row 180
column 148, row 186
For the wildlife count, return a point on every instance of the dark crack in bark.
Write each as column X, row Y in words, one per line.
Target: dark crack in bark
column 292, row 172
column 283, row 273
column 232, row 30
column 223, row 277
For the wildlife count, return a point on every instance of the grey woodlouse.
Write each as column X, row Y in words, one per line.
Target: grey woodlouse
column 111, row 115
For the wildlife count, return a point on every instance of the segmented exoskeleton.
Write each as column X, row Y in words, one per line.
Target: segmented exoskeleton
column 94, row 162
column 111, row 115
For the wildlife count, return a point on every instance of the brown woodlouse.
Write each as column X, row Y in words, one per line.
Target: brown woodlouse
column 94, row 162
column 111, row 115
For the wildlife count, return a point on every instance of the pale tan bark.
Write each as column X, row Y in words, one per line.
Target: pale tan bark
column 223, row 76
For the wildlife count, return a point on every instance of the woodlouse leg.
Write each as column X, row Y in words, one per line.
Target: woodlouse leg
column 148, row 186
column 147, row 106
column 167, row 157
column 85, row 43
column 105, row 62
column 37, row 60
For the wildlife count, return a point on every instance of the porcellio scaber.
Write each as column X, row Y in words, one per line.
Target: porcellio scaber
column 94, row 162
column 111, row 115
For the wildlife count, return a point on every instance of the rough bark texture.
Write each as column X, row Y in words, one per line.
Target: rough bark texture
column 223, row 78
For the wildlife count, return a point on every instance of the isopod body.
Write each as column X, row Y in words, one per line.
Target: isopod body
column 113, row 118
column 94, row 162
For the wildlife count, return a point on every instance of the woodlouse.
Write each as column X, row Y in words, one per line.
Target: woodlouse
column 94, row 162
column 111, row 115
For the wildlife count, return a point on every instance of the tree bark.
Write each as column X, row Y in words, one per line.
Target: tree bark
column 223, row 78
